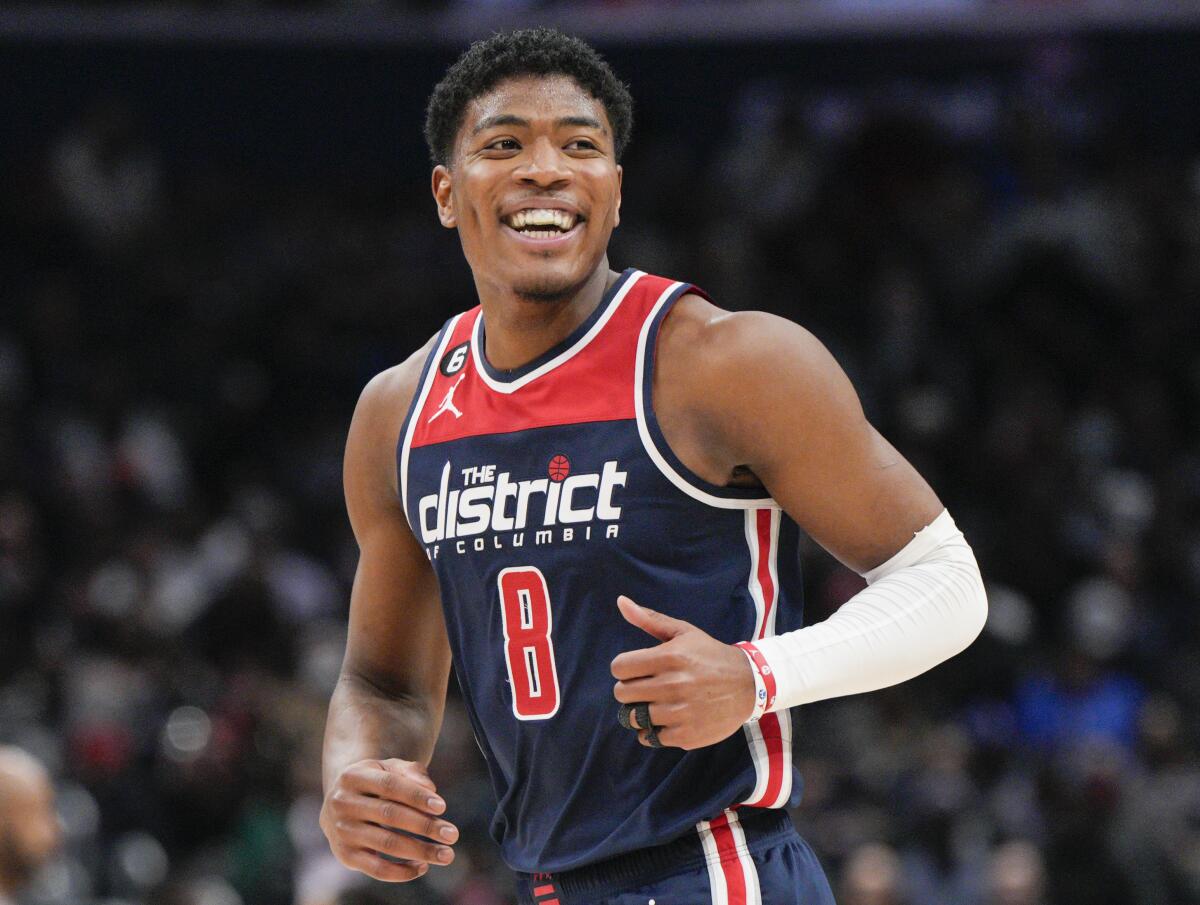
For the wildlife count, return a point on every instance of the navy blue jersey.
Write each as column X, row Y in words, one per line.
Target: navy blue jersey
column 540, row 495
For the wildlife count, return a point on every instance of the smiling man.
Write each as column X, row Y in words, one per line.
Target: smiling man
column 586, row 493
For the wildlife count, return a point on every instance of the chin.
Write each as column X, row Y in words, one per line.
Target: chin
column 547, row 286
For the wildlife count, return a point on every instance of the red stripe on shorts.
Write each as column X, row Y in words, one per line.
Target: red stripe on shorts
column 731, row 865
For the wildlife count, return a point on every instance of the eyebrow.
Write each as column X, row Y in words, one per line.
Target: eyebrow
column 510, row 119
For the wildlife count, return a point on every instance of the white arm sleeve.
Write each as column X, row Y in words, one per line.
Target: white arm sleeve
column 922, row 606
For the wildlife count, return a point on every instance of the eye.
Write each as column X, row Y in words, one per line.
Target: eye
column 582, row 144
column 503, row 144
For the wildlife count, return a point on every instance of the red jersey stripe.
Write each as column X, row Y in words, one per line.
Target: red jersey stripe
column 765, row 581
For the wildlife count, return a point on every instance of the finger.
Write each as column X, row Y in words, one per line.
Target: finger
column 398, row 787
column 380, row 868
column 351, row 806
column 665, row 716
column 644, row 689
column 669, row 727
column 652, row 622
column 641, row 716
column 639, row 664
column 394, row 845
column 644, row 736
column 413, row 769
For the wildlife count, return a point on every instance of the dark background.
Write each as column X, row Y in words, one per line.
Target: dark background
column 209, row 244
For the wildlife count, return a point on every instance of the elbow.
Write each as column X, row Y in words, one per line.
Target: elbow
column 973, row 607
column 362, row 686
column 979, row 609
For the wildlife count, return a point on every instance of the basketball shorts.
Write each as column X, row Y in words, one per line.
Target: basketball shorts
column 744, row 857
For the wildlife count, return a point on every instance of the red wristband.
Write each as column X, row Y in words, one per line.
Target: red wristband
column 764, row 671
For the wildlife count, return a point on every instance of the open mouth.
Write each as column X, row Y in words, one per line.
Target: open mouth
column 543, row 223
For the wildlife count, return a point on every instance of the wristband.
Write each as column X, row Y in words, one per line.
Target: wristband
column 920, row 607
column 760, row 691
column 764, row 680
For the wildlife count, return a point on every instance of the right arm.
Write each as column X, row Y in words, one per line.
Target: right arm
column 387, row 708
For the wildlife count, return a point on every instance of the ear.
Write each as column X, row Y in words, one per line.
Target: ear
column 441, row 195
column 617, row 211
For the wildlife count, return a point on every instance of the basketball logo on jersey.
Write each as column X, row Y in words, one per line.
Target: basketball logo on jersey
column 560, row 467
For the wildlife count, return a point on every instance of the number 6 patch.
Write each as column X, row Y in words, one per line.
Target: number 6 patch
column 453, row 361
column 528, row 648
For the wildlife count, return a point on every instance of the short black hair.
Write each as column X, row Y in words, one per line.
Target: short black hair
column 530, row 51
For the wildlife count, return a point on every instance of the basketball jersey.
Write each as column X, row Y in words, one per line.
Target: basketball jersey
column 539, row 496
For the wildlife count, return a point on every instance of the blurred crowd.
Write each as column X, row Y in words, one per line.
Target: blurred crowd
column 1010, row 275
column 624, row 6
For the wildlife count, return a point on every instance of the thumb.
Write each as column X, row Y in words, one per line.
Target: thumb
column 414, row 769
column 664, row 628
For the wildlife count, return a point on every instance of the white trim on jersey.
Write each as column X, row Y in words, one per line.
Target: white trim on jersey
column 785, row 717
column 754, row 734
column 564, row 356
column 422, row 397
column 652, row 451
column 764, row 627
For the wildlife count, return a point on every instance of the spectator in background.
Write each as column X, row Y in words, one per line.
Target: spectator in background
column 872, row 876
column 1016, row 875
column 29, row 831
column 108, row 178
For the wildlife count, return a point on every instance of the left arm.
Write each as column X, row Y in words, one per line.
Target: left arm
column 846, row 486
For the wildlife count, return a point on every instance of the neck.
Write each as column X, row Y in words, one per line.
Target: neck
column 520, row 329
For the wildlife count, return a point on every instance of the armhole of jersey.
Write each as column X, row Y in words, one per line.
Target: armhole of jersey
column 653, row 440
column 414, row 408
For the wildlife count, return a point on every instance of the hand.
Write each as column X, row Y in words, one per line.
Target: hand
column 700, row 689
column 369, row 802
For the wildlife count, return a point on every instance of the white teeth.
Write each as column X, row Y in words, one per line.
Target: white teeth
column 564, row 220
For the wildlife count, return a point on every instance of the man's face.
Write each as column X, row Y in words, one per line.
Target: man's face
column 530, row 145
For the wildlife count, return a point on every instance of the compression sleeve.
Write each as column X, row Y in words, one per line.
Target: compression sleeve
column 922, row 606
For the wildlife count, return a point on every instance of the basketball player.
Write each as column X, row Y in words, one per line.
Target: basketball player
column 586, row 494
column 29, row 832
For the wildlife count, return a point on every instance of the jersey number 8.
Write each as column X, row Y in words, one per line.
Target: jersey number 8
column 528, row 648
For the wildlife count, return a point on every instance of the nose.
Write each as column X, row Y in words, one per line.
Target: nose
column 543, row 165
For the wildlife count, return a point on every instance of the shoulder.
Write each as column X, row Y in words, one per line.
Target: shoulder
column 725, row 353
column 378, row 417
column 388, row 395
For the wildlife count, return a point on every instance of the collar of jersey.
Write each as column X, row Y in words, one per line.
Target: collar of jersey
column 510, row 381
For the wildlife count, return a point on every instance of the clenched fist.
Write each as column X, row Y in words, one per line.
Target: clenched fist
column 376, row 811
column 700, row 690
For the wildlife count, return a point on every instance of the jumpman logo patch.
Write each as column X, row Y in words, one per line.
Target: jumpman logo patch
column 448, row 403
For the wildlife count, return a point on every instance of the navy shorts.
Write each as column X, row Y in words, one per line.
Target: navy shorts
column 744, row 857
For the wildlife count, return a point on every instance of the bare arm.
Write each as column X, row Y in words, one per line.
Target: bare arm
column 387, row 708
column 765, row 394
column 753, row 393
